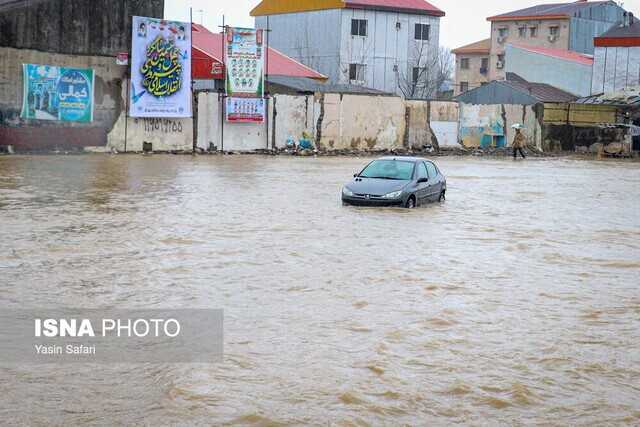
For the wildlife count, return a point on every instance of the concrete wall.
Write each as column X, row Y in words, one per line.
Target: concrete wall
column 615, row 68
column 384, row 47
column 87, row 27
column 28, row 133
column 163, row 134
column 490, row 125
column 433, row 122
column 570, row 76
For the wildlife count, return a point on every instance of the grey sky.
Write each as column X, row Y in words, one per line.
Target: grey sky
column 465, row 21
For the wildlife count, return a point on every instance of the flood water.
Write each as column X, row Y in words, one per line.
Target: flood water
column 516, row 302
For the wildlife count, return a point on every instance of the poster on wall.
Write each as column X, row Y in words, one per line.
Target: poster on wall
column 57, row 93
column 245, row 110
column 244, row 61
column 160, row 68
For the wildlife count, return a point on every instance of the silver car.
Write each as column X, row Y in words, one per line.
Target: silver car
column 396, row 181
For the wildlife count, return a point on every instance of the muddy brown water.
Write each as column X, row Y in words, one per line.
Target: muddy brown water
column 515, row 302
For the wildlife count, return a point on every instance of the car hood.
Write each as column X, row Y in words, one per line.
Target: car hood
column 376, row 187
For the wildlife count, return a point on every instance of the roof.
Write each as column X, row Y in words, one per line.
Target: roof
column 548, row 11
column 279, row 64
column 620, row 36
column 629, row 97
column 481, row 47
column 304, row 85
column 515, row 90
column 567, row 55
column 275, row 7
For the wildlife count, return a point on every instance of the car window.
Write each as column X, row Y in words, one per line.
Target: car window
column 388, row 169
column 422, row 171
column 432, row 170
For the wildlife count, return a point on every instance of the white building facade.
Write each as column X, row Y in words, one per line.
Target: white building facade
column 389, row 50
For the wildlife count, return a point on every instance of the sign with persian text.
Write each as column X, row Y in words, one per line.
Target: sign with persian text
column 245, row 110
column 57, row 93
column 160, row 68
column 244, row 61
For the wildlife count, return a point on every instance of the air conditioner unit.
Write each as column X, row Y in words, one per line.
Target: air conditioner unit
column 500, row 65
column 553, row 38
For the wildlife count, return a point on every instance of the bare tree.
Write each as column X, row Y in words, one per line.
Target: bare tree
column 426, row 72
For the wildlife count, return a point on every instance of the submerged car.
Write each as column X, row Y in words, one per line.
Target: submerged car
column 396, row 181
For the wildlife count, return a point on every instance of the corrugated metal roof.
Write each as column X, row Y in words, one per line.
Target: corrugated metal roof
column 549, row 10
column 420, row 6
column 617, row 31
column 567, row 55
column 629, row 97
column 515, row 90
column 304, row 85
column 279, row 64
column 483, row 46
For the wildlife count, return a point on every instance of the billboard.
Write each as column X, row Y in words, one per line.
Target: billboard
column 160, row 68
column 57, row 93
column 244, row 61
column 245, row 110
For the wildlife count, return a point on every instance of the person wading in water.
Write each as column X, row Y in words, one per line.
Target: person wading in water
column 519, row 142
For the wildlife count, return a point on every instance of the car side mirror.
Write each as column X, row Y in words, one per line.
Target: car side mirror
column 423, row 180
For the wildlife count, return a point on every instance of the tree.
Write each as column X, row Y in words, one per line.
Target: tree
column 426, row 72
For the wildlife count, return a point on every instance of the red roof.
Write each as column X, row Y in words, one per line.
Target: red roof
column 396, row 5
column 209, row 45
column 567, row 55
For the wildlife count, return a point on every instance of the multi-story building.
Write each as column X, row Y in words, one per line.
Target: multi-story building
column 560, row 26
column 392, row 46
column 472, row 65
column 617, row 58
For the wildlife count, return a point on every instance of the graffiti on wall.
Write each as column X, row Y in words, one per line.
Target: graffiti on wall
column 164, row 126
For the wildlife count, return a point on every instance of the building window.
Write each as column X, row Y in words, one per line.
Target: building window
column 422, row 31
column 484, row 68
column 554, row 31
column 522, row 32
column 501, row 61
column 503, row 32
column 533, row 32
column 464, row 86
column 464, row 63
column 359, row 27
column 356, row 72
column 418, row 72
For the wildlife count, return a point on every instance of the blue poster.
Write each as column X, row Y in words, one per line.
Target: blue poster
column 57, row 93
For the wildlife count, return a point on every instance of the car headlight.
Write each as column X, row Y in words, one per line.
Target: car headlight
column 347, row 192
column 393, row 195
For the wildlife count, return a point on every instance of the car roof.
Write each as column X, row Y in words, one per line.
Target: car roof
column 405, row 159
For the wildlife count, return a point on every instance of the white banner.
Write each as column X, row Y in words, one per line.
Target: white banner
column 160, row 68
column 244, row 62
column 245, row 110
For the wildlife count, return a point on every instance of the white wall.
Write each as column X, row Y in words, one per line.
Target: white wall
column 567, row 75
column 615, row 68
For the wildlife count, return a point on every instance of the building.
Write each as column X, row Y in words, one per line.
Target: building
column 560, row 26
column 472, row 65
column 65, row 33
column 390, row 46
column 617, row 58
column 564, row 69
column 207, row 61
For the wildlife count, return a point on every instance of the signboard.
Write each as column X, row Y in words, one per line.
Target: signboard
column 244, row 62
column 57, row 93
column 245, row 110
column 160, row 68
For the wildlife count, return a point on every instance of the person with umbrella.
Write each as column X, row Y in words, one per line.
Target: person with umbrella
column 519, row 141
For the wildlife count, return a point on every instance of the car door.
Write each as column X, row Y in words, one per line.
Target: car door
column 435, row 183
column 423, row 187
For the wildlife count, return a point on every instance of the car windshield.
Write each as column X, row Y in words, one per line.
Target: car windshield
column 388, row 169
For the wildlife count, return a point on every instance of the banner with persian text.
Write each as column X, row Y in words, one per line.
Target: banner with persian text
column 245, row 110
column 160, row 68
column 244, row 62
column 57, row 93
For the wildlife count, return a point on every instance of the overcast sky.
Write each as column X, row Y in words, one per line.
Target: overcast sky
column 465, row 21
